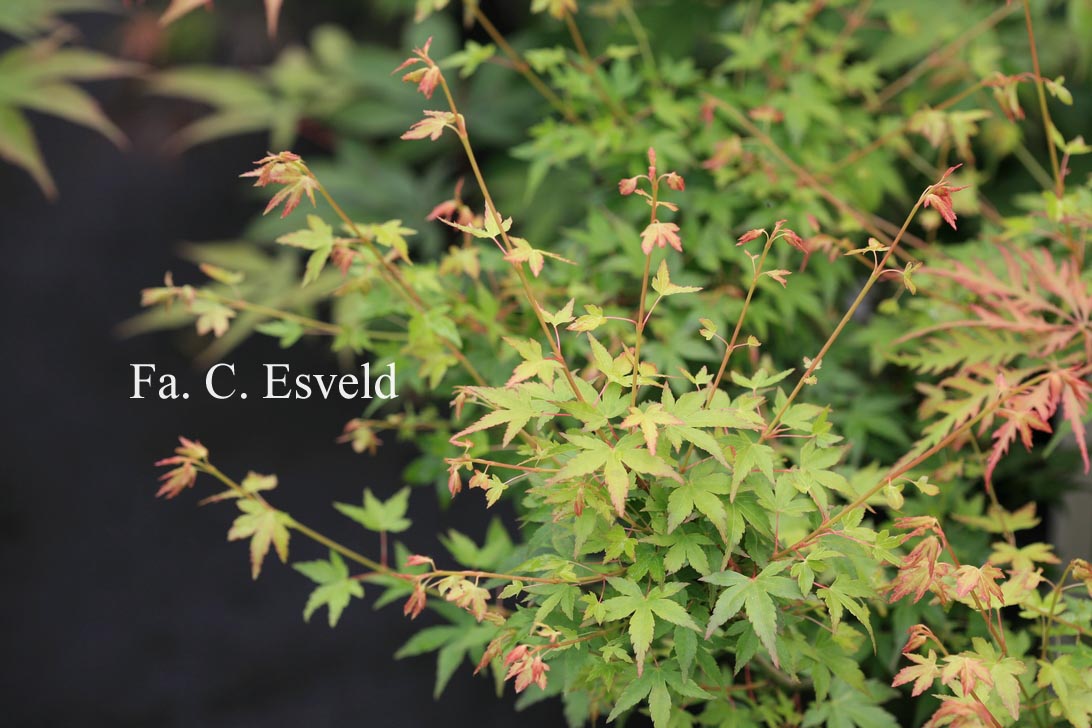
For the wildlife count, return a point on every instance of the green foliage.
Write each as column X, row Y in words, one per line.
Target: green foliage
column 38, row 76
column 710, row 456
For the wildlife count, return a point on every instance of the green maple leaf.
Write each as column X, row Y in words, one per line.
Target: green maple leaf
column 1072, row 686
column 642, row 610
column 318, row 238
column 596, row 455
column 662, row 283
column 844, row 594
column 692, row 413
column 263, row 525
column 751, row 455
column 685, row 548
column 848, row 708
column 212, row 317
column 754, row 595
column 335, row 587
column 534, row 364
column 381, row 516
column 36, row 77
column 512, row 406
column 702, row 492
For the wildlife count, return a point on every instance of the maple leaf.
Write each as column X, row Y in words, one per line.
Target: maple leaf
column 464, row 594
column 918, row 635
column 1072, row 684
column 36, row 77
column 919, row 571
column 185, row 456
column 288, row 169
column 1025, row 413
column 596, row 455
column 642, row 610
column 703, row 493
column 981, row 582
column 534, row 364
column 335, row 587
column 433, row 125
column 924, row 672
column 381, row 516
column 661, row 234
column 662, row 283
column 522, row 252
column 939, row 196
column 754, row 596
column 649, row 420
column 512, row 406
column 962, row 712
column 263, row 525
column 968, row 668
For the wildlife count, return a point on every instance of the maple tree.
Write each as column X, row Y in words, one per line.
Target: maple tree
column 714, row 528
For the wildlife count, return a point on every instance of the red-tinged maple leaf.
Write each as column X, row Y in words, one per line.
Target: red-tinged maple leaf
column 982, row 583
column 454, row 480
column 920, row 571
column 660, row 234
column 1005, row 93
column 433, row 125
column 778, row 275
column 961, row 713
column 178, row 8
column 416, row 602
column 795, row 240
column 1025, row 413
column 1073, row 391
column 284, row 168
column 185, row 456
column 420, row 55
column 749, row 236
column 923, row 673
column 917, row 525
column 675, row 181
column 939, row 197
column 177, row 480
column 492, row 651
column 969, row 669
column 919, row 634
column 527, row 668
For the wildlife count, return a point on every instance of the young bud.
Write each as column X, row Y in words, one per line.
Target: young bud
column 628, row 186
column 675, row 181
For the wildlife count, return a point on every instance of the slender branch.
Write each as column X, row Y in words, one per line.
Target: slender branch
column 739, row 322
column 1048, row 123
column 400, row 284
column 522, row 67
column 592, row 69
column 877, row 272
column 641, row 36
column 464, row 139
column 938, row 57
column 1050, row 613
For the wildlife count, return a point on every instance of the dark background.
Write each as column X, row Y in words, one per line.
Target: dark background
column 124, row 610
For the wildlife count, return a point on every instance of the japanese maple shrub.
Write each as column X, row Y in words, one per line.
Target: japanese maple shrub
column 697, row 539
